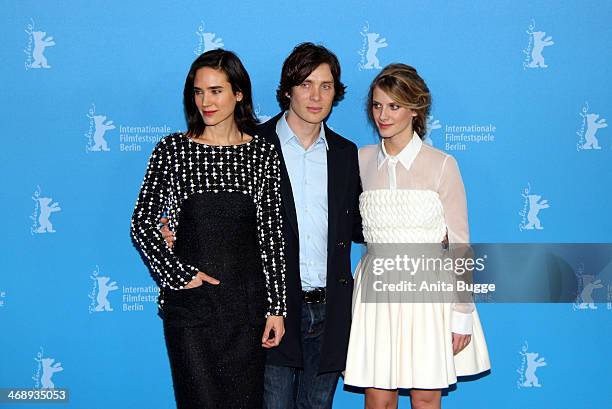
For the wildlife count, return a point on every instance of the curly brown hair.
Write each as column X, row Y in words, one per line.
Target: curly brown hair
column 404, row 85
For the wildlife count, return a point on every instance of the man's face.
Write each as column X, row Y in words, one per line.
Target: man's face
column 311, row 101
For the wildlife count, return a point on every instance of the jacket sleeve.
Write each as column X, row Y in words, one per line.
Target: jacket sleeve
column 166, row 269
column 270, row 235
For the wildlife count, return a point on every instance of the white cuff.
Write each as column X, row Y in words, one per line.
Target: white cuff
column 461, row 323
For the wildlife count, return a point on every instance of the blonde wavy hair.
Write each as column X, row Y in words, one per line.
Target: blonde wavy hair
column 404, row 85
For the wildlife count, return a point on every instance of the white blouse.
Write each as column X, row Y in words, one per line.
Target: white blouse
column 422, row 167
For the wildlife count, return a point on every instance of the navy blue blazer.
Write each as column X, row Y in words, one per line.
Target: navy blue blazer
column 344, row 226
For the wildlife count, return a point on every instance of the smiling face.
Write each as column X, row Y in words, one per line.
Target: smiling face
column 392, row 120
column 311, row 101
column 214, row 97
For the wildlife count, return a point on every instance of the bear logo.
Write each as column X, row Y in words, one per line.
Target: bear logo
column 533, row 363
column 102, row 126
column 40, row 44
column 104, row 287
column 593, row 125
column 374, row 44
column 586, row 295
column 48, row 369
column 539, row 42
column 535, row 205
column 431, row 125
column 211, row 42
column 45, row 210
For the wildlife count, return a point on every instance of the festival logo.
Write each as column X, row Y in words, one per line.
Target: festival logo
column 133, row 297
column 532, row 205
column 101, row 287
column 206, row 40
column 132, row 138
column 98, row 126
column 589, row 125
column 45, row 369
column 43, row 208
column 587, row 285
column 370, row 44
column 530, row 362
column 38, row 41
column 461, row 137
column 431, row 126
column 537, row 42
column 261, row 117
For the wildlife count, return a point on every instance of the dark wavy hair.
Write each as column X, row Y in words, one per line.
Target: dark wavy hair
column 406, row 87
column 303, row 60
column 238, row 77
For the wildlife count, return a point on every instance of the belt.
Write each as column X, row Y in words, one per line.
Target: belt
column 315, row 296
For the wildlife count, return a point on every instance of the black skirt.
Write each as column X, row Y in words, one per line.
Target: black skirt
column 213, row 332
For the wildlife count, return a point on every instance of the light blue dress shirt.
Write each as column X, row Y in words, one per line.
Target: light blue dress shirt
column 307, row 170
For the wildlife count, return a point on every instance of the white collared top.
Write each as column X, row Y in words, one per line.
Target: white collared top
column 405, row 157
column 415, row 196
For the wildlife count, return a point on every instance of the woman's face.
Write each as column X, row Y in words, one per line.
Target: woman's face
column 213, row 96
column 391, row 118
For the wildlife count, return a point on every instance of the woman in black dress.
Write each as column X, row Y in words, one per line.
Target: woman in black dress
column 222, row 284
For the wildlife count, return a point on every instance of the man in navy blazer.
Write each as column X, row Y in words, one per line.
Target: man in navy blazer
column 320, row 190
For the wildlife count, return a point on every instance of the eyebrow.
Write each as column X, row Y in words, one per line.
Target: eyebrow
column 212, row 88
column 322, row 82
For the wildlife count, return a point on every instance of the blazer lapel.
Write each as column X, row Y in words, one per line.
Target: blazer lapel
column 336, row 176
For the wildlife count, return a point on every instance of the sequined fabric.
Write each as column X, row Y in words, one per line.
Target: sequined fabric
column 180, row 168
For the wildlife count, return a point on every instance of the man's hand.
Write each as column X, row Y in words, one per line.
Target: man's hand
column 167, row 234
column 460, row 341
column 200, row 279
column 276, row 324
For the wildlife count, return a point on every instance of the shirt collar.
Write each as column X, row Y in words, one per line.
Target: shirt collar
column 285, row 134
column 406, row 156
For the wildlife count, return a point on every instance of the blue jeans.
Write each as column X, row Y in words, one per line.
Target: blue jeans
column 295, row 388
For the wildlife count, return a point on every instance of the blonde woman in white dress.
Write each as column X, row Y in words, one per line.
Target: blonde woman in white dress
column 412, row 193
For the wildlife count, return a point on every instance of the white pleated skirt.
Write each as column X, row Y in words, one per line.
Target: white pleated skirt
column 407, row 345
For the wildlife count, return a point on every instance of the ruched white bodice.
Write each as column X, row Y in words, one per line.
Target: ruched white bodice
column 402, row 216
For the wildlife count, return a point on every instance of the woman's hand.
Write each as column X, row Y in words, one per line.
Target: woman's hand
column 167, row 234
column 460, row 341
column 275, row 326
column 200, row 279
